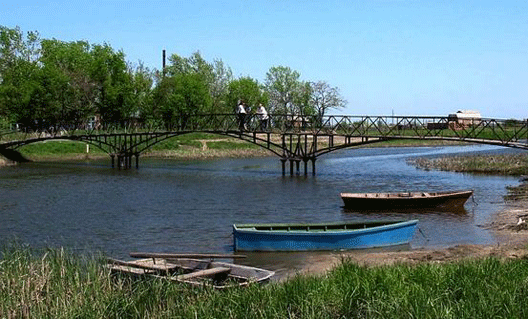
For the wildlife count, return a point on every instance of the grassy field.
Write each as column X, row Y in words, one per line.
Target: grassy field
column 57, row 284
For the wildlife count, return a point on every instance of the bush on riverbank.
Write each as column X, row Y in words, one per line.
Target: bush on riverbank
column 58, row 284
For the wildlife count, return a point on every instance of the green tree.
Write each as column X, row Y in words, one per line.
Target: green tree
column 71, row 92
column 178, row 97
column 18, row 74
column 247, row 90
column 216, row 76
column 19, row 83
column 114, row 82
column 219, row 86
column 14, row 47
column 304, row 100
column 284, row 88
column 52, row 84
column 143, row 80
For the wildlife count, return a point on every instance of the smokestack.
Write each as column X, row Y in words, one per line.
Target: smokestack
column 163, row 62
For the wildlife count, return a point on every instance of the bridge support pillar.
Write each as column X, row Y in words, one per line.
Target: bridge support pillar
column 120, row 161
column 297, row 165
column 306, row 160
column 124, row 161
column 283, row 160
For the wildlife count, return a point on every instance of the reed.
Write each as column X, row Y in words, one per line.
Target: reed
column 511, row 164
column 55, row 283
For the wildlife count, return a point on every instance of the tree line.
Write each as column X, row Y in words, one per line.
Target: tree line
column 49, row 84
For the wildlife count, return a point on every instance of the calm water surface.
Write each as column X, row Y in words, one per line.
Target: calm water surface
column 175, row 206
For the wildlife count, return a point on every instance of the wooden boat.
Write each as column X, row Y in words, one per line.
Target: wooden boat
column 454, row 200
column 195, row 272
column 327, row 236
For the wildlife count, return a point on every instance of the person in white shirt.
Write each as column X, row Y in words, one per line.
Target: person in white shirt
column 263, row 117
column 241, row 112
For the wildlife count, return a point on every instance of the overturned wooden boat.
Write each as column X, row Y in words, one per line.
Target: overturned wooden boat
column 195, row 272
column 417, row 200
column 327, row 236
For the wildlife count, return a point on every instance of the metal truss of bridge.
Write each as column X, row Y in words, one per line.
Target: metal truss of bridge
column 295, row 140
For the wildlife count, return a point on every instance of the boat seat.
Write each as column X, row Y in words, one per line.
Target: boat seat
column 128, row 270
column 146, row 264
column 204, row 273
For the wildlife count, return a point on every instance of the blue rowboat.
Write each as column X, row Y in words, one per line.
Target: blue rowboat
column 327, row 236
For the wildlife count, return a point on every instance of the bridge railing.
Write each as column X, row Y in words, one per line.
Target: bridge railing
column 351, row 126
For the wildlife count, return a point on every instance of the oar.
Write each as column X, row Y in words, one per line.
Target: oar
column 176, row 255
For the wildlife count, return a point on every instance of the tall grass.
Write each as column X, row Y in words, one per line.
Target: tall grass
column 57, row 284
column 511, row 164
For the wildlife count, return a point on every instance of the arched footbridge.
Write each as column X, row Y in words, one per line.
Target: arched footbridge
column 296, row 140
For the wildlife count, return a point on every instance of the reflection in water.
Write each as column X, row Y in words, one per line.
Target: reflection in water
column 463, row 210
column 175, row 206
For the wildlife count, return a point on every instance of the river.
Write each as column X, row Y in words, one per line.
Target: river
column 190, row 206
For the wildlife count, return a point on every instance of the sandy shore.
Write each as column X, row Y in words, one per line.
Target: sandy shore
column 512, row 242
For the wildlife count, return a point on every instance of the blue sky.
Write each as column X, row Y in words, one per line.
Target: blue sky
column 386, row 56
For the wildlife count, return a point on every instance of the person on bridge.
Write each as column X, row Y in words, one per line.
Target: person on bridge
column 263, row 117
column 241, row 112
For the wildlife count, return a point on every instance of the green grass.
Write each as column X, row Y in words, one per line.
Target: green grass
column 58, row 148
column 57, row 284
